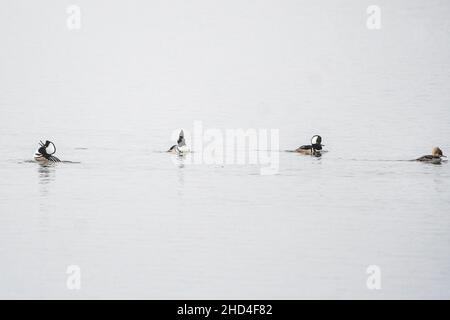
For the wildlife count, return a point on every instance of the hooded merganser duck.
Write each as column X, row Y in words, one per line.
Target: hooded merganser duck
column 435, row 156
column 314, row 148
column 46, row 152
column 181, row 146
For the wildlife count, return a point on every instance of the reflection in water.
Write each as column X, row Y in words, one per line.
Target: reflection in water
column 181, row 161
column 47, row 174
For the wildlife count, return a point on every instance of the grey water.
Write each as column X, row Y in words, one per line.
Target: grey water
column 144, row 224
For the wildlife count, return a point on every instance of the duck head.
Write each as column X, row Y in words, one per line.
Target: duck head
column 437, row 152
column 47, row 148
column 316, row 142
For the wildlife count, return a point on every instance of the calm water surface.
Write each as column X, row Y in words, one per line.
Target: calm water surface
column 142, row 224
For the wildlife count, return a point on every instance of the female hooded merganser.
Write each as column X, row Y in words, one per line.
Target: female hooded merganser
column 180, row 147
column 435, row 156
column 314, row 148
column 46, row 152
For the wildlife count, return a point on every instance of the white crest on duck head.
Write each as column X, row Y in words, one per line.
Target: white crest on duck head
column 49, row 146
column 316, row 139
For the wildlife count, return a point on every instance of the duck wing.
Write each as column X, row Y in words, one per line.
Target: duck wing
column 53, row 159
column 425, row 158
column 181, row 142
column 305, row 147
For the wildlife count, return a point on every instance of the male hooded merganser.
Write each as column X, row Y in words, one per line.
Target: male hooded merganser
column 46, row 152
column 435, row 156
column 181, row 146
column 314, row 148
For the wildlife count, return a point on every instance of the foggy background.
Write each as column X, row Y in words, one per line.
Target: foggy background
column 110, row 95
